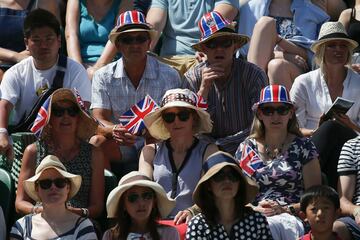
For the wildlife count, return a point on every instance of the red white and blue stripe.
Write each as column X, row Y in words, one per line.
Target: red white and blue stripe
column 131, row 17
column 250, row 161
column 210, row 23
column 274, row 94
column 133, row 119
column 41, row 118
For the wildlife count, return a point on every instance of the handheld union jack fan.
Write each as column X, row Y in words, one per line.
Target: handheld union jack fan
column 250, row 161
column 41, row 118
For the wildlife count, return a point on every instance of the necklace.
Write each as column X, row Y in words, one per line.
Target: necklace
column 275, row 152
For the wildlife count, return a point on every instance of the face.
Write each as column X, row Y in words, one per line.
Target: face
column 44, row 45
column 133, row 45
column 220, row 51
column 336, row 52
column 64, row 117
column 178, row 121
column 321, row 215
column 139, row 202
column 52, row 187
column 275, row 116
column 225, row 183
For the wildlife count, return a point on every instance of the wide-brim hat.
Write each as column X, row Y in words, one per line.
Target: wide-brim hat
column 131, row 21
column 86, row 126
column 213, row 165
column 213, row 25
column 273, row 94
column 51, row 162
column 135, row 178
column 331, row 31
column 177, row 98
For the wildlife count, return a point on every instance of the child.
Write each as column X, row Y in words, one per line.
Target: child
column 320, row 206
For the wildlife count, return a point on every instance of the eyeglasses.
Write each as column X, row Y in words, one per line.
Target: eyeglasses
column 133, row 40
column 170, row 116
column 47, row 183
column 223, row 43
column 134, row 197
column 72, row 111
column 232, row 175
column 269, row 111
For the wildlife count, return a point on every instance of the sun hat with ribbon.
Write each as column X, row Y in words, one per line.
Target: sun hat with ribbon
column 331, row 31
column 213, row 25
column 213, row 164
column 273, row 94
column 51, row 162
column 131, row 21
column 177, row 98
column 135, row 178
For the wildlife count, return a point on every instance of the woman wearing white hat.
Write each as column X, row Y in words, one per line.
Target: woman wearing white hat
column 175, row 163
column 53, row 186
column 136, row 204
column 313, row 94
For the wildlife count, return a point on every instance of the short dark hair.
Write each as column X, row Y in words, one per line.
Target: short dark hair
column 39, row 18
column 320, row 191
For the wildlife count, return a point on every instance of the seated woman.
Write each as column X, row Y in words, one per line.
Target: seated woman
column 64, row 135
column 280, row 160
column 313, row 94
column 53, row 186
column 222, row 195
column 137, row 204
column 175, row 163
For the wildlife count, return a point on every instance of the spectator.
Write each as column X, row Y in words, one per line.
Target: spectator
column 313, row 94
column 280, row 160
column 137, row 204
column 175, row 163
column 53, row 186
column 222, row 194
column 231, row 86
column 119, row 85
column 64, row 136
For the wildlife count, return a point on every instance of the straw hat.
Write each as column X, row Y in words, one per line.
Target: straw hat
column 213, row 25
column 131, row 21
column 135, row 178
column 86, row 126
column 177, row 98
column 273, row 94
column 213, row 165
column 330, row 31
column 53, row 162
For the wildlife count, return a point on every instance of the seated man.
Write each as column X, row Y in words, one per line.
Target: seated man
column 231, row 86
column 24, row 82
column 121, row 84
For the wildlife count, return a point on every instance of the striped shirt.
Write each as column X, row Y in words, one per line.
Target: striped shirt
column 230, row 106
column 349, row 164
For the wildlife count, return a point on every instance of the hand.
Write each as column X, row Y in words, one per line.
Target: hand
column 345, row 120
column 356, row 67
column 299, row 61
column 91, row 71
column 269, row 208
column 22, row 55
column 200, row 56
column 5, row 147
column 323, row 118
column 122, row 136
column 208, row 75
column 182, row 216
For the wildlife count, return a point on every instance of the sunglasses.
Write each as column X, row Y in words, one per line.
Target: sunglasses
column 133, row 40
column 134, row 197
column 47, row 183
column 60, row 111
column 269, row 111
column 232, row 175
column 223, row 43
column 170, row 116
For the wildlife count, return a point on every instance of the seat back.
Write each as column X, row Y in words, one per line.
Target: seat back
column 7, row 195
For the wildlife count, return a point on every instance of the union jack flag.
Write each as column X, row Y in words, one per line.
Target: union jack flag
column 210, row 23
column 133, row 119
column 41, row 118
column 201, row 102
column 250, row 161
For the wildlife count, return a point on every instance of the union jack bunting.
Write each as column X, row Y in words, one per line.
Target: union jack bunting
column 250, row 161
column 133, row 119
column 210, row 23
column 41, row 118
column 130, row 17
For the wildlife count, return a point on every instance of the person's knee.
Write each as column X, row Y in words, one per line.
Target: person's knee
column 342, row 231
column 265, row 22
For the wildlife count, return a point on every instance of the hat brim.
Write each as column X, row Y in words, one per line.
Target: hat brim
column 256, row 105
column 155, row 124
column 164, row 204
column 75, row 183
column 239, row 39
column 315, row 46
column 116, row 32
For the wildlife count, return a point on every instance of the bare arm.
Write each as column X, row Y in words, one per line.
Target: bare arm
column 346, row 190
column 227, row 10
column 51, row 6
column 212, row 148
column 157, row 18
column 103, row 115
column 146, row 160
column 311, row 173
column 10, row 56
column 5, row 109
column 72, row 30
column 345, row 18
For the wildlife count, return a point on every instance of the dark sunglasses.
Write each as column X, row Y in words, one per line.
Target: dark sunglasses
column 134, row 197
column 269, row 111
column 170, row 116
column 133, row 40
column 223, row 43
column 60, row 111
column 232, row 175
column 47, row 183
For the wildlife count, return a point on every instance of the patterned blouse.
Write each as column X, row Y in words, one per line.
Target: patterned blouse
column 280, row 179
column 286, row 28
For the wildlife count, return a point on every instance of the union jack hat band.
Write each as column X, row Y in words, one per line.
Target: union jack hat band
column 273, row 94
column 177, row 97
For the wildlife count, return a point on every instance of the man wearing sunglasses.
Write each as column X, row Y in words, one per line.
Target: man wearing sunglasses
column 231, row 86
column 119, row 85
